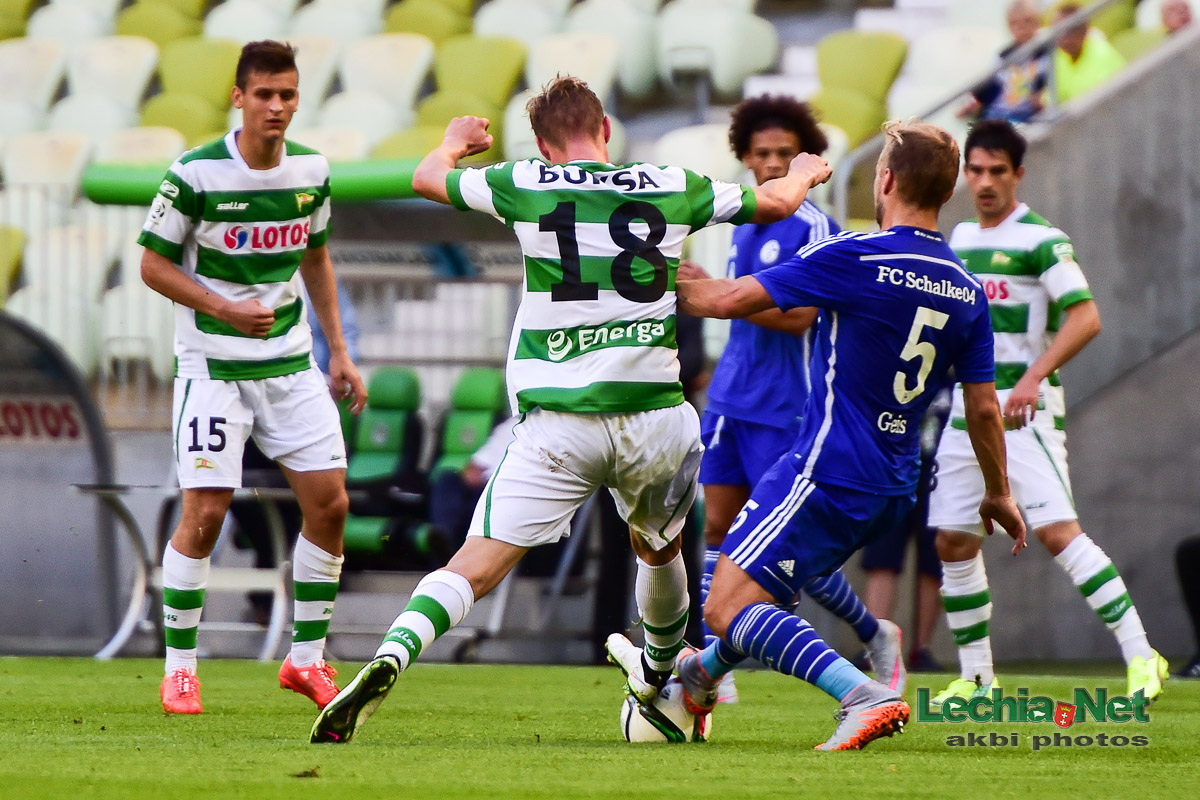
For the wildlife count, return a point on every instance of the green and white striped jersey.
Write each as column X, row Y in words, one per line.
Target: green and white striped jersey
column 1028, row 269
column 241, row 233
column 595, row 331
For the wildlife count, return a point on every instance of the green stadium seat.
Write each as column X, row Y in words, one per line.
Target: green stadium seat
column 430, row 18
column 487, row 67
column 859, row 116
column 190, row 115
column 1134, row 42
column 16, row 9
column 477, row 403
column 439, row 108
column 11, row 27
column 202, row 67
column 464, row 7
column 415, row 142
column 866, row 63
column 190, row 8
column 12, row 243
column 158, row 22
column 386, row 446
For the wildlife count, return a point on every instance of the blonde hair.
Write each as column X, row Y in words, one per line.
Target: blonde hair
column 924, row 159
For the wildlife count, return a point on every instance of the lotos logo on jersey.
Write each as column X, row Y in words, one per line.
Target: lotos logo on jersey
column 996, row 290
column 267, row 236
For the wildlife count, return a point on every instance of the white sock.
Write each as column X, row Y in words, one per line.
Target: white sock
column 662, row 601
column 1093, row 573
column 184, row 580
column 315, row 575
column 968, row 603
column 441, row 600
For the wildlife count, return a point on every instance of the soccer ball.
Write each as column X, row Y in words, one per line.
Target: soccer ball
column 666, row 719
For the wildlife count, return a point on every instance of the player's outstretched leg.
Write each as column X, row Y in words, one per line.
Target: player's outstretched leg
column 728, row 689
column 315, row 575
column 440, row 601
column 662, row 601
column 968, row 603
column 881, row 638
column 1094, row 575
column 184, row 580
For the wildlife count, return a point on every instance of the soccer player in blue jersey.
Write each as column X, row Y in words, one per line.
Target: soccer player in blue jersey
column 898, row 311
column 761, row 382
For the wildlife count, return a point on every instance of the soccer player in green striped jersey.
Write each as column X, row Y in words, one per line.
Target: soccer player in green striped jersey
column 592, row 369
column 1042, row 315
column 236, row 226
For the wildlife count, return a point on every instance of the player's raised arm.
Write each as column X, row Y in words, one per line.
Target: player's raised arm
column 985, row 427
column 724, row 298
column 779, row 198
column 465, row 136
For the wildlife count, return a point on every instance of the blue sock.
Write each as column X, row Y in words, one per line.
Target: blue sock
column 710, row 563
column 718, row 658
column 789, row 645
column 834, row 593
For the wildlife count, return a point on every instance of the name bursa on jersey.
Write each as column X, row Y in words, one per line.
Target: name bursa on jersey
column 922, row 283
column 622, row 179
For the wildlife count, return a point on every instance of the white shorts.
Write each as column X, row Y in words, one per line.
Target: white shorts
column 1037, row 473
column 292, row 418
column 647, row 459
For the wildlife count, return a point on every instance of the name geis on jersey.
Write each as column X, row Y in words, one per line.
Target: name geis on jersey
column 627, row 179
column 922, row 283
column 267, row 236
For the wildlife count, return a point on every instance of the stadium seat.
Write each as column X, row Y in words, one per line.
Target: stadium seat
column 429, row 18
column 190, row 115
column 31, row 70
column 367, row 112
column 1148, row 15
column 637, row 64
column 12, row 243
column 116, row 67
column 317, row 61
column 591, row 57
column 46, row 158
column 346, row 24
column 950, row 57
column 866, row 63
column 142, row 145
column 372, row 7
column 859, row 116
column 69, row 319
column 106, row 8
column 11, row 27
column 439, row 108
column 733, row 5
column 700, row 148
column 464, row 7
column 190, row 8
column 136, row 322
column 70, row 23
column 724, row 44
column 158, row 22
column 73, row 259
column 17, row 118
column 336, row 144
column 477, row 403
column 284, row 8
column 909, row 99
column 392, row 65
column 1135, row 42
column 488, row 67
column 414, row 142
column 201, row 67
column 387, row 446
column 838, row 147
column 244, row 21
column 17, row 8
column 95, row 116
column 979, row 13
column 523, row 20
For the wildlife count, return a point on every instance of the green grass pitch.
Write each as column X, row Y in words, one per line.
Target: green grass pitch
column 76, row 728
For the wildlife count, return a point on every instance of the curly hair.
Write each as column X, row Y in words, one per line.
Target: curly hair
column 756, row 114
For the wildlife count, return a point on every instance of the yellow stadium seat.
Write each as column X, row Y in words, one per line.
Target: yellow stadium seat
column 427, row 17
column 31, row 70
column 201, row 67
column 487, row 67
column 11, row 27
column 859, row 116
column 464, row 7
column 865, row 63
column 439, row 108
column 12, row 243
column 158, row 22
column 189, row 8
column 18, row 9
column 1117, row 17
column 393, row 65
column 116, row 67
column 190, row 115
column 412, row 143
column 142, row 145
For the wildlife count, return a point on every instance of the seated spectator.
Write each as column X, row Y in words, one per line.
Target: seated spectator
column 1176, row 15
column 453, row 496
column 1017, row 91
column 1083, row 59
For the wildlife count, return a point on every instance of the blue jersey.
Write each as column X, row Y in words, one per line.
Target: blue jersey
column 763, row 374
column 898, row 311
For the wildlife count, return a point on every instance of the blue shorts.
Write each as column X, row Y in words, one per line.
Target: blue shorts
column 887, row 552
column 738, row 453
column 792, row 529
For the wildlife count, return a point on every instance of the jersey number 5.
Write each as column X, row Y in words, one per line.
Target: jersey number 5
column 561, row 222
column 915, row 348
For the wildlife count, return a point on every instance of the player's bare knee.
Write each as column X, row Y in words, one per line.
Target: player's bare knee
column 1057, row 535
column 957, row 546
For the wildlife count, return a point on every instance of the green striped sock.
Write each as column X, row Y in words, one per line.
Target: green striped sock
column 315, row 575
column 662, row 600
column 968, row 603
column 184, row 580
column 1097, row 579
column 441, row 600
